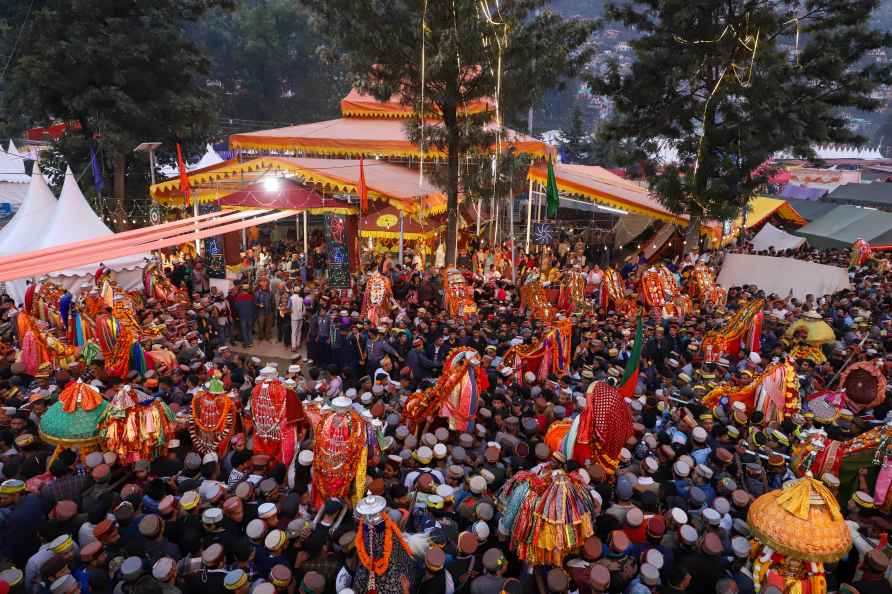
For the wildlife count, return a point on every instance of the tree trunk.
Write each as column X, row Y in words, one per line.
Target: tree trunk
column 451, row 122
column 120, row 190
column 692, row 235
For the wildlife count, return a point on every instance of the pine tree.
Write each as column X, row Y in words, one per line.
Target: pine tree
column 726, row 86
column 578, row 144
column 125, row 72
column 380, row 44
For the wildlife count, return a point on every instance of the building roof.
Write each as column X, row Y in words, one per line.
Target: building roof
column 843, row 225
column 599, row 185
column 875, row 194
column 810, row 209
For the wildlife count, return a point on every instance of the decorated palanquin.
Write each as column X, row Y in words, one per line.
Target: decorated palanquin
column 213, row 418
column 796, row 530
column 660, row 291
column 861, row 252
column 340, row 453
column 73, row 421
column 745, row 325
column 44, row 301
column 572, row 293
column 598, row 434
column 458, row 300
column 120, row 347
column 386, row 563
column 376, row 298
column 806, row 335
column 533, row 299
column 550, row 355
column 456, row 395
column 704, row 287
column 41, row 350
column 136, row 426
column 818, row 454
column 277, row 416
column 774, row 392
column 547, row 516
column 613, row 291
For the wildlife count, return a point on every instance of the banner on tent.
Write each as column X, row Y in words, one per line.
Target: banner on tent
column 337, row 254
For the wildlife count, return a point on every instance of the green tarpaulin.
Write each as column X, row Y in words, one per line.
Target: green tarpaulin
column 840, row 227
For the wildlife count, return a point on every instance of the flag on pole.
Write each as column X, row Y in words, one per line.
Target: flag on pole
column 363, row 189
column 184, row 178
column 552, row 198
column 630, row 375
column 97, row 172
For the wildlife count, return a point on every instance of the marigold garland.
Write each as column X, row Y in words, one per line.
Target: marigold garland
column 379, row 566
column 221, row 421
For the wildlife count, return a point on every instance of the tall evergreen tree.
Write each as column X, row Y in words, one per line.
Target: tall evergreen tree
column 577, row 145
column 124, row 70
column 728, row 84
column 380, row 44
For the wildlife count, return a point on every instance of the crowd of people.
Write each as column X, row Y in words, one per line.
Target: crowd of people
column 671, row 517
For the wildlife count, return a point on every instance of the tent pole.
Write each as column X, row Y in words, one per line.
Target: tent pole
column 296, row 227
column 306, row 242
column 195, row 217
column 495, row 233
column 401, row 238
column 529, row 214
column 511, row 236
column 479, row 207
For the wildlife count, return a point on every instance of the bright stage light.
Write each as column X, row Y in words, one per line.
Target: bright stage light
column 271, row 184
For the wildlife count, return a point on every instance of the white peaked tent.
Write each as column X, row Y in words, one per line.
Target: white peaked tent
column 23, row 232
column 13, row 179
column 12, row 150
column 74, row 220
column 210, row 157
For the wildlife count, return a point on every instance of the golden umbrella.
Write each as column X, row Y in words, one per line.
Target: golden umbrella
column 802, row 521
column 819, row 331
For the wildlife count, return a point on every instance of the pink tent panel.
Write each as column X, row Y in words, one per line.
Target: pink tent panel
column 31, row 270
column 99, row 248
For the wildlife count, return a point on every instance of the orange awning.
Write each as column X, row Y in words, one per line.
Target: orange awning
column 362, row 136
column 599, row 185
column 393, row 184
column 360, row 105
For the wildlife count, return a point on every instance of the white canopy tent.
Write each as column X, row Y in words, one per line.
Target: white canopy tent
column 74, row 220
column 13, row 179
column 782, row 275
column 23, row 232
column 772, row 237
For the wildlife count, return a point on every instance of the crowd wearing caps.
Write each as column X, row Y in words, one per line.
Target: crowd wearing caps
column 671, row 517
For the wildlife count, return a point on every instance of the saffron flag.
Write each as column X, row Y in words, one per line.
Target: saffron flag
column 552, row 198
column 630, row 375
column 184, row 178
column 363, row 189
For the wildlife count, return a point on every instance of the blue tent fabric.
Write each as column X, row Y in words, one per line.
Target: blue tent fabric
column 802, row 192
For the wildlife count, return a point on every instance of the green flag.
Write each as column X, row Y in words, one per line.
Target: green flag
column 630, row 375
column 552, row 199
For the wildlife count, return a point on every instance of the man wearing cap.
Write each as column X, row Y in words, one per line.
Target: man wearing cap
column 164, row 571
column 151, row 527
column 495, row 566
column 419, row 363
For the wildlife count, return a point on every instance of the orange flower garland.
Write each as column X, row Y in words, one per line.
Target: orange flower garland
column 379, row 566
column 221, row 420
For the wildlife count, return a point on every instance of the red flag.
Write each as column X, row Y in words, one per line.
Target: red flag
column 184, row 179
column 363, row 189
